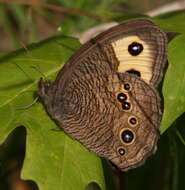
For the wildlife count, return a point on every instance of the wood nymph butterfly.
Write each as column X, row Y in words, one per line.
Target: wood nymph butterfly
column 105, row 94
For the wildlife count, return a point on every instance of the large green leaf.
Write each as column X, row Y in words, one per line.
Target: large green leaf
column 174, row 83
column 52, row 160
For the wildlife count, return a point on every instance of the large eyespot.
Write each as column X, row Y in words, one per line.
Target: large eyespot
column 121, row 151
column 135, row 48
column 122, row 97
column 134, row 72
column 126, row 106
column 132, row 121
column 127, row 136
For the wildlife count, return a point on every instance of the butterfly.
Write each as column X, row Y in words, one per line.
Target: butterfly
column 105, row 95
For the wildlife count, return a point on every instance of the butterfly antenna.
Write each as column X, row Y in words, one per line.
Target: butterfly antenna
column 22, row 70
column 27, row 50
column 30, row 105
column 38, row 70
column 34, row 67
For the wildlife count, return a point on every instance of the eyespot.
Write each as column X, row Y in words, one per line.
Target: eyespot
column 121, row 151
column 132, row 120
column 127, row 136
column 127, row 86
column 126, row 106
column 122, row 97
column 134, row 72
column 135, row 48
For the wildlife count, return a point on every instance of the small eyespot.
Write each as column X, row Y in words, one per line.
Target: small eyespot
column 134, row 72
column 127, row 136
column 127, row 86
column 121, row 97
column 121, row 151
column 126, row 105
column 132, row 120
column 135, row 48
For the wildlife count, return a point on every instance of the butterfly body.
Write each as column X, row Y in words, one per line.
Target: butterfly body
column 105, row 95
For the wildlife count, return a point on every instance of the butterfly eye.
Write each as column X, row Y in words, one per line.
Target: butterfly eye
column 127, row 136
column 126, row 105
column 122, row 97
column 135, row 48
column 121, row 151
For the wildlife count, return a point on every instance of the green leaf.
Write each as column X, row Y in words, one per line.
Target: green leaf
column 174, row 83
column 52, row 160
column 126, row 17
column 172, row 22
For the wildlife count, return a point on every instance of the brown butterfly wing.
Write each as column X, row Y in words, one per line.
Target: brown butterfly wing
column 90, row 112
column 114, row 44
column 83, row 99
column 137, row 129
column 82, row 108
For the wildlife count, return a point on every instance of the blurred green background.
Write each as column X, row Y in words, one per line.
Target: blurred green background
column 24, row 22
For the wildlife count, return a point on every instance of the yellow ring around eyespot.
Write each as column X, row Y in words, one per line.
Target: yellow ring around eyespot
column 127, row 144
column 128, row 109
column 133, row 125
column 128, row 98
column 126, row 93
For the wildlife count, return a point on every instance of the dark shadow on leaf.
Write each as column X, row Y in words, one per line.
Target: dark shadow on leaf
column 12, row 153
column 109, row 176
column 172, row 35
column 124, row 17
column 93, row 186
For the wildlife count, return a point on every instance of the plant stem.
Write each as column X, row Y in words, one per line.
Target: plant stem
column 65, row 10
